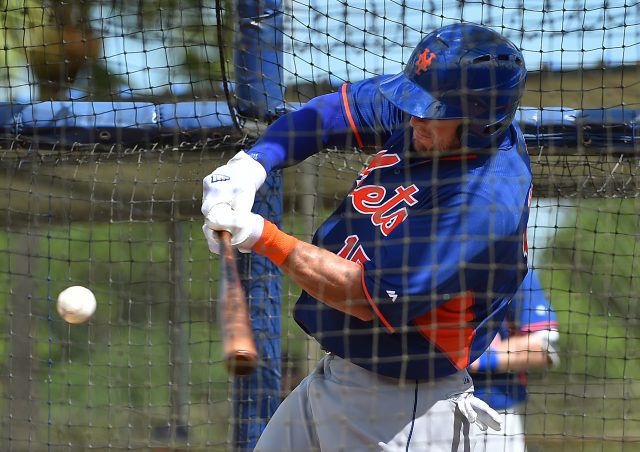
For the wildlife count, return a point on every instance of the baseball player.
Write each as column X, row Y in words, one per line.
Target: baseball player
column 407, row 282
column 527, row 340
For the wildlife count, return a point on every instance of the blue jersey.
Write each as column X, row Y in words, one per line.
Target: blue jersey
column 530, row 311
column 440, row 241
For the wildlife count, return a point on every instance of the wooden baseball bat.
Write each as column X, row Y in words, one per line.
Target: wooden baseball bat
column 240, row 354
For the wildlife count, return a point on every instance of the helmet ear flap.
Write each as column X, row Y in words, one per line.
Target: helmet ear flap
column 495, row 127
column 490, row 129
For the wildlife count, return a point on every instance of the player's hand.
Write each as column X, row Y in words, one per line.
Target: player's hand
column 234, row 184
column 548, row 343
column 245, row 227
column 478, row 412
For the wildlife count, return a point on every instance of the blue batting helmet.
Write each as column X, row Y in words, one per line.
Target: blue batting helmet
column 462, row 71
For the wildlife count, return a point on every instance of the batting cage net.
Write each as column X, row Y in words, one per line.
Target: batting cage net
column 112, row 113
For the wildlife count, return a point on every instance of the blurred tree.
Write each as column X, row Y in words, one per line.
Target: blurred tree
column 36, row 43
column 196, row 36
column 13, row 57
column 59, row 43
column 54, row 40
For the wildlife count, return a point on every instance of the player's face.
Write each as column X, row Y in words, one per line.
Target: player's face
column 435, row 134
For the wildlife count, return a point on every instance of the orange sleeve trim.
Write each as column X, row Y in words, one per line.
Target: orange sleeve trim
column 274, row 244
column 461, row 157
column 382, row 318
column 345, row 101
column 539, row 326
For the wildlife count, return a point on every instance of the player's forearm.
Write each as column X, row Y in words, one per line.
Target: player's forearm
column 514, row 354
column 523, row 353
column 519, row 360
column 334, row 281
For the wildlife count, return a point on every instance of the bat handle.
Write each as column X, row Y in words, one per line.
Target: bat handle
column 240, row 354
column 225, row 242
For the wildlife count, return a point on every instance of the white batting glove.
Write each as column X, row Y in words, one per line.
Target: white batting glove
column 549, row 340
column 245, row 227
column 478, row 412
column 234, row 184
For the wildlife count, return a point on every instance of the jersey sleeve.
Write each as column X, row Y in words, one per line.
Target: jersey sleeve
column 357, row 116
column 442, row 257
column 534, row 308
column 371, row 117
column 292, row 138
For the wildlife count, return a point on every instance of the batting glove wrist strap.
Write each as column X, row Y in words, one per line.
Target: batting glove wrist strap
column 234, row 184
column 252, row 170
column 274, row 244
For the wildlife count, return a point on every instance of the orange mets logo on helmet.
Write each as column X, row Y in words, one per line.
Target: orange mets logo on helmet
column 424, row 61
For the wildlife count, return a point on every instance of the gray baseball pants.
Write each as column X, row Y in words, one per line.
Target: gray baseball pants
column 343, row 407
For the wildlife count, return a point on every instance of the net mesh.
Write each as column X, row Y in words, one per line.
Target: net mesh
column 102, row 184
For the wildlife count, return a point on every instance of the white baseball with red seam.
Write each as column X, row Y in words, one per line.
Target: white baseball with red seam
column 76, row 304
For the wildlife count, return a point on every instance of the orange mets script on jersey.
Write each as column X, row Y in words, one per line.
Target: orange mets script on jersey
column 424, row 61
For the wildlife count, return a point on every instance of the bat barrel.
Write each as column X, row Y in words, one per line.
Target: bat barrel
column 239, row 349
column 241, row 362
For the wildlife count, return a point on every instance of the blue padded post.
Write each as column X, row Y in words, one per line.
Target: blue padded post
column 257, row 397
column 260, row 94
column 258, row 58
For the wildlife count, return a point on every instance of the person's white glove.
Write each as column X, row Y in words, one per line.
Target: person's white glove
column 549, row 340
column 245, row 227
column 234, row 184
column 478, row 412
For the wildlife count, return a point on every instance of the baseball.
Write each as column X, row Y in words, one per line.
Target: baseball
column 76, row 304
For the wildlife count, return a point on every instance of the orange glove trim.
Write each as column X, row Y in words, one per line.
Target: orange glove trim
column 274, row 244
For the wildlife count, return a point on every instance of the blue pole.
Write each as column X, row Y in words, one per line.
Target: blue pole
column 260, row 94
column 258, row 58
column 256, row 397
